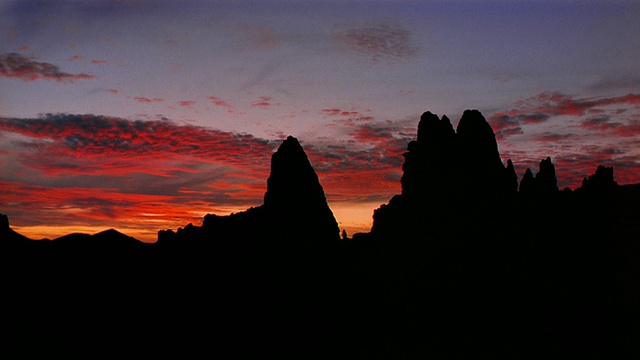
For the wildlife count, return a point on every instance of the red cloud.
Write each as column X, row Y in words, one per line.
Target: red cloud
column 14, row 65
column 75, row 143
column 98, row 61
column 112, row 91
column 346, row 117
column 219, row 102
column 355, row 175
column 264, row 102
column 129, row 169
column 75, row 57
column 542, row 107
column 23, row 48
column 186, row 103
column 556, row 103
column 139, row 215
column 147, row 100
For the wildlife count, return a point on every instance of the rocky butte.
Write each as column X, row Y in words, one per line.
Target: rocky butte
column 447, row 172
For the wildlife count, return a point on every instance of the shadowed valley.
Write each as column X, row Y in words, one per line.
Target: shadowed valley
column 469, row 261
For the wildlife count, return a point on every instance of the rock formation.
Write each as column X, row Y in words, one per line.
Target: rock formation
column 445, row 171
column 545, row 181
column 600, row 182
column 294, row 206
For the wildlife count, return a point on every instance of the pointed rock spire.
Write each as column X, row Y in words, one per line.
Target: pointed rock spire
column 295, row 198
column 479, row 154
column 292, row 181
column 546, row 177
column 545, row 181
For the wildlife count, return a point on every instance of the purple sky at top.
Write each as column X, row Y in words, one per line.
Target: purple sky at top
column 348, row 78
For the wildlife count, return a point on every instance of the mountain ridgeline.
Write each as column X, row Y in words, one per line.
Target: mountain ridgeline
column 467, row 262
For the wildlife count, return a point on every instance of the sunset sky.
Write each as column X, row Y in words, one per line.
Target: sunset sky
column 146, row 115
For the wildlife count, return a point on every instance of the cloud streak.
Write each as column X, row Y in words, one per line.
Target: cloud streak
column 16, row 66
column 545, row 106
column 378, row 41
column 93, row 169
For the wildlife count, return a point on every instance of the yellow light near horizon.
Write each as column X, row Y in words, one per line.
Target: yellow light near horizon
column 354, row 217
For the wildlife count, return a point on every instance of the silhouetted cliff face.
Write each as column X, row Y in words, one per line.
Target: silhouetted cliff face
column 295, row 198
column 448, row 171
column 293, row 182
column 294, row 207
column 545, row 181
column 442, row 163
column 482, row 171
column 601, row 182
column 429, row 164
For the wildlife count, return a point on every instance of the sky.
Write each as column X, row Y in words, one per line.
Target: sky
column 146, row 115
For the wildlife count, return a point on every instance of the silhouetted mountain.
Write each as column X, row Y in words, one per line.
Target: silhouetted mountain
column 545, row 181
column 294, row 207
column 461, row 264
column 601, row 182
column 447, row 172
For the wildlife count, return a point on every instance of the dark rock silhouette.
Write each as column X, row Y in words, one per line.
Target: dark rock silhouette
column 447, row 172
column 294, row 207
column 461, row 264
column 545, row 181
column 600, row 182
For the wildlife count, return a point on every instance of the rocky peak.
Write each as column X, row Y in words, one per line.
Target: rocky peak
column 434, row 132
column 546, row 176
column 600, row 182
column 447, row 172
column 292, row 181
column 442, row 162
column 477, row 144
column 545, row 181
column 429, row 161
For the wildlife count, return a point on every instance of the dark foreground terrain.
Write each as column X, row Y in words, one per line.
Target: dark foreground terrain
column 468, row 262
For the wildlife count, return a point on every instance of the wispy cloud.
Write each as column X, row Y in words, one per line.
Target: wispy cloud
column 141, row 99
column 544, row 106
column 75, row 58
column 351, row 114
column 186, row 103
column 14, row 65
column 264, row 102
column 219, row 102
column 378, row 41
column 258, row 38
